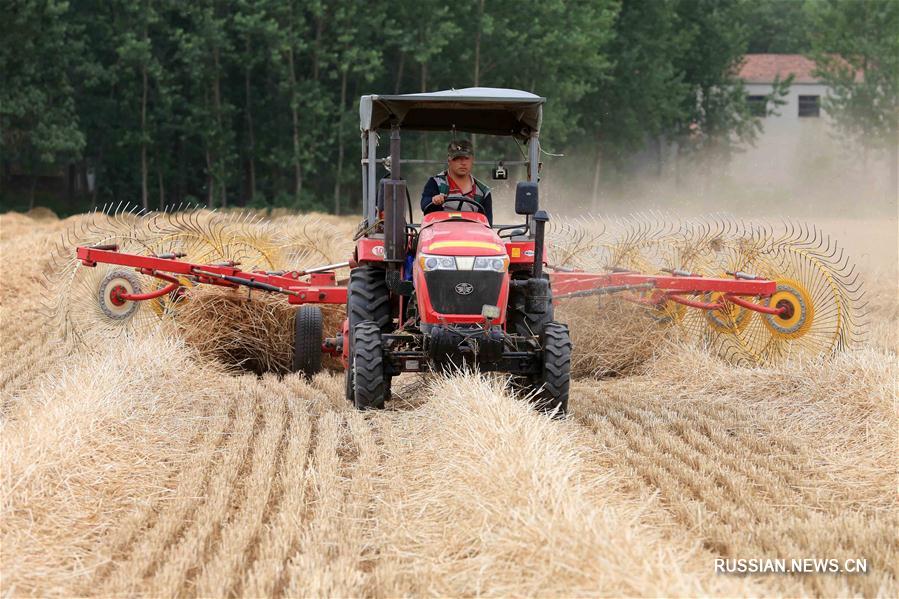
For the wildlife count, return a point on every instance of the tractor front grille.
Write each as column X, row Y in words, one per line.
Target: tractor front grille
column 446, row 289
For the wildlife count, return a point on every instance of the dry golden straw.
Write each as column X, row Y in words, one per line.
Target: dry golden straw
column 149, row 465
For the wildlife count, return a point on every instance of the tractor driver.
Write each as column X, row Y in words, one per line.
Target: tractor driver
column 457, row 180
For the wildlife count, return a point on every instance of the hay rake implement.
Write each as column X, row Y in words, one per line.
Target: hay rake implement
column 816, row 307
column 455, row 288
column 753, row 294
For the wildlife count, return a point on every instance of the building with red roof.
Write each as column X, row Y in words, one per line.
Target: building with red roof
column 766, row 68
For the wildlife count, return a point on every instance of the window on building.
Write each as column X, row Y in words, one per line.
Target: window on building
column 809, row 106
column 758, row 105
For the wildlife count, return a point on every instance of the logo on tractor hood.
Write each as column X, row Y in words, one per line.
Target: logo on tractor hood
column 464, row 288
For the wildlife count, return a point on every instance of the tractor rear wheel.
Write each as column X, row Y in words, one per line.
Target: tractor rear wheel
column 367, row 299
column 307, row 342
column 554, row 379
column 372, row 386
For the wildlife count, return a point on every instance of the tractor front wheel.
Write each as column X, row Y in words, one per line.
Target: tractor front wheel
column 554, row 379
column 307, row 342
column 371, row 385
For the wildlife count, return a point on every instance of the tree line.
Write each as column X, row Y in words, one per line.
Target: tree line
column 255, row 102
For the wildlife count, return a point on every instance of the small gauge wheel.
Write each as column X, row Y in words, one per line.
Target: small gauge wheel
column 113, row 285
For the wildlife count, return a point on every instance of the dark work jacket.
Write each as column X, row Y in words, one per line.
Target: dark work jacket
column 439, row 183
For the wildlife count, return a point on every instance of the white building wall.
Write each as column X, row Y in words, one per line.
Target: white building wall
column 791, row 150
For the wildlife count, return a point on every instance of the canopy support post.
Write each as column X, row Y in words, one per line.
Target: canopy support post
column 371, row 206
column 533, row 156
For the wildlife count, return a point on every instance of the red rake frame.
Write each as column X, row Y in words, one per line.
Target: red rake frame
column 322, row 287
column 669, row 287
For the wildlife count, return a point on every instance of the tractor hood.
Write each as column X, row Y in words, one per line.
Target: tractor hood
column 494, row 111
column 459, row 237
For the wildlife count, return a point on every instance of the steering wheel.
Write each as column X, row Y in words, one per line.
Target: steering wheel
column 460, row 198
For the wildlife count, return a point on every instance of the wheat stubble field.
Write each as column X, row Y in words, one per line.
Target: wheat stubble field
column 143, row 466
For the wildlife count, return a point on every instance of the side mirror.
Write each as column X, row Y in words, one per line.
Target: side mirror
column 526, row 198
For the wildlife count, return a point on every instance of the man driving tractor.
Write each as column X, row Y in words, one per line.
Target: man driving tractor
column 457, row 180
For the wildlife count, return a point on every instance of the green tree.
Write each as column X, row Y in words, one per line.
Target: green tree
column 205, row 50
column 356, row 54
column 254, row 30
column 642, row 98
column 715, row 117
column 97, row 103
column 553, row 48
column 39, row 125
column 289, row 49
column 134, row 48
column 778, row 27
column 856, row 48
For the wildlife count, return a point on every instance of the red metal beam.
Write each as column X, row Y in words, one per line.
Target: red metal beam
column 757, row 307
column 298, row 292
column 569, row 282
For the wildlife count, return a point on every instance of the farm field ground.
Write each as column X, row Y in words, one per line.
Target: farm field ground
column 138, row 466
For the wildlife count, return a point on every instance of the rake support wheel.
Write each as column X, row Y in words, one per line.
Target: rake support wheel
column 307, row 342
column 371, row 385
column 113, row 284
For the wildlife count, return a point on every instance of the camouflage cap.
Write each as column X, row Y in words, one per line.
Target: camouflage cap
column 461, row 147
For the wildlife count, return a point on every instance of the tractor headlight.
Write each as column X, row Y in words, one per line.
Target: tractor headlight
column 494, row 263
column 429, row 263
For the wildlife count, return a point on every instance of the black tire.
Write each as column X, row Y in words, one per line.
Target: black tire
column 367, row 299
column 307, row 342
column 348, row 388
column 522, row 322
column 372, row 387
column 555, row 378
column 530, row 323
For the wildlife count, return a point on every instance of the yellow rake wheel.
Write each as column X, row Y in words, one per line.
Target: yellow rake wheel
column 820, row 315
column 166, row 304
column 670, row 312
column 815, row 282
column 728, row 320
column 799, row 310
column 207, row 237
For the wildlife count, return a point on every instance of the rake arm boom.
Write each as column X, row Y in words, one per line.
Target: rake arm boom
column 567, row 282
column 674, row 288
column 321, row 288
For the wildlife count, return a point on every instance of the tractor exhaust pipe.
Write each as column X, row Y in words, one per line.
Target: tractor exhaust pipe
column 540, row 220
column 538, row 294
column 394, row 216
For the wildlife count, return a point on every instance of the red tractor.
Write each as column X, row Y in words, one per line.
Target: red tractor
column 452, row 290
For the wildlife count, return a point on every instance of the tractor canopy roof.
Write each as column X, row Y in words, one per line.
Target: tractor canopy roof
column 489, row 110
